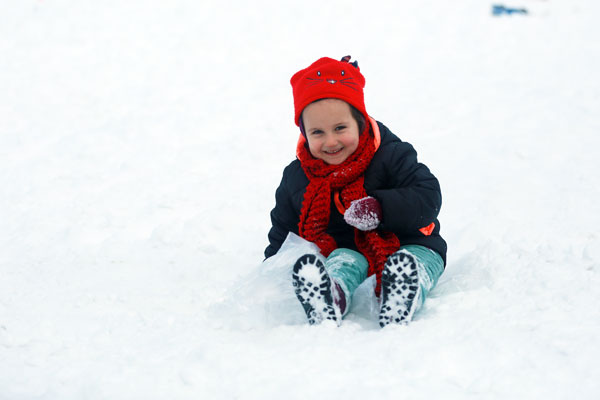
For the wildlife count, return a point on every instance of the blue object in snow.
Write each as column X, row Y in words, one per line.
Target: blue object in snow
column 499, row 9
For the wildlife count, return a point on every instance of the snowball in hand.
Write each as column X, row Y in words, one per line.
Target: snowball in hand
column 364, row 214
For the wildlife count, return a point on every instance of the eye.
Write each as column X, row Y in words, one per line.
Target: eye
column 316, row 132
column 340, row 128
column 343, row 72
column 318, row 73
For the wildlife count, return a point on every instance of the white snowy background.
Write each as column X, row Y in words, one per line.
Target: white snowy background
column 141, row 143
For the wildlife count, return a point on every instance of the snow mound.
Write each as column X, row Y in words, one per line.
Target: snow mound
column 264, row 297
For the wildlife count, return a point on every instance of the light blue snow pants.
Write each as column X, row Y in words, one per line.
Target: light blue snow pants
column 349, row 269
column 429, row 266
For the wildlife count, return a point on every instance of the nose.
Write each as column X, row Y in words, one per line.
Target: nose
column 330, row 140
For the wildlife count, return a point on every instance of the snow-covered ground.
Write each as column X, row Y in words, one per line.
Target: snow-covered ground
column 141, row 143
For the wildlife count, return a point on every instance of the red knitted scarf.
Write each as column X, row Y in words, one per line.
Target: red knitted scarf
column 347, row 180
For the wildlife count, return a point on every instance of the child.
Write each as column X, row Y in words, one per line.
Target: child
column 359, row 193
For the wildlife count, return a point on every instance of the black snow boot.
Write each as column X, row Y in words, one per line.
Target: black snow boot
column 400, row 289
column 313, row 288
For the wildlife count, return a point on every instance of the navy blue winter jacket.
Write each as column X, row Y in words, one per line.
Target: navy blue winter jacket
column 409, row 195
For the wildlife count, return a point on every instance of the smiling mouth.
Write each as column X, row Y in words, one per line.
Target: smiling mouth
column 333, row 152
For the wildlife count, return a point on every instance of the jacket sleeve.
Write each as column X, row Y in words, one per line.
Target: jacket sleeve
column 412, row 197
column 283, row 218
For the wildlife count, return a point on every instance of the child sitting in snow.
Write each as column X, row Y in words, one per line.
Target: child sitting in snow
column 358, row 192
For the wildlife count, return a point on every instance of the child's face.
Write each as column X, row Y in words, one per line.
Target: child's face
column 331, row 131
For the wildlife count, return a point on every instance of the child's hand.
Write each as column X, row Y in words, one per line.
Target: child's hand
column 364, row 214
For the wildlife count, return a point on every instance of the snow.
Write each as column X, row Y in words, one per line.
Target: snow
column 141, row 144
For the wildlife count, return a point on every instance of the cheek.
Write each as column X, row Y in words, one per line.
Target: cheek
column 352, row 143
column 313, row 146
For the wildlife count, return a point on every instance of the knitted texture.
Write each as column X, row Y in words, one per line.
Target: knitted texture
column 348, row 179
column 364, row 214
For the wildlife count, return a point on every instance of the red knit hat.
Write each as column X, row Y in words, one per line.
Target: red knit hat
column 328, row 78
